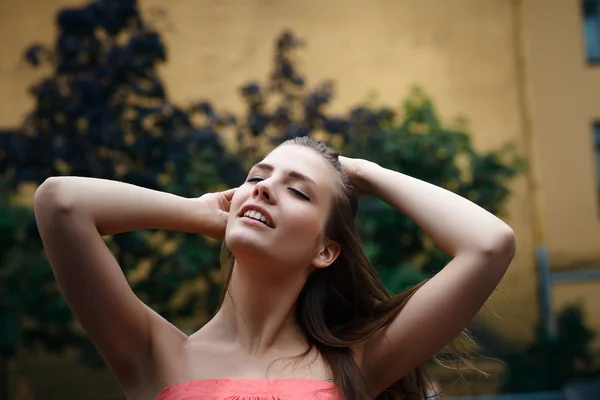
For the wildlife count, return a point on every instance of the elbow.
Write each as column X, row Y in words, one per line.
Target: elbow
column 502, row 244
column 51, row 197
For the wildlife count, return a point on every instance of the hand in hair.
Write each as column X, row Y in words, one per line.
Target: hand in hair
column 218, row 205
column 353, row 167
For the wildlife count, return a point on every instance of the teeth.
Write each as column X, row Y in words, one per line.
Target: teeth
column 256, row 215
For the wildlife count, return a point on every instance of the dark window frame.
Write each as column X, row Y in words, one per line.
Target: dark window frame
column 596, row 146
column 590, row 11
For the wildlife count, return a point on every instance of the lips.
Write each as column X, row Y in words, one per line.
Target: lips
column 262, row 210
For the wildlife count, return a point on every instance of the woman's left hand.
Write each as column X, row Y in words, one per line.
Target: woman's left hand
column 354, row 168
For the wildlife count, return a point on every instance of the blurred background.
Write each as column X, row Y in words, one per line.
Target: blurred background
column 497, row 100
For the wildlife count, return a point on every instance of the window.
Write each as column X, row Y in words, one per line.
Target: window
column 591, row 29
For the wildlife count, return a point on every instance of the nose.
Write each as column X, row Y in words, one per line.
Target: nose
column 264, row 192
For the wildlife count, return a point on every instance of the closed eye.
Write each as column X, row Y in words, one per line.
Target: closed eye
column 300, row 194
column 255, row 179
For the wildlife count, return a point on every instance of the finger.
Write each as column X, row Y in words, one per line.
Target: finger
column 229, row 193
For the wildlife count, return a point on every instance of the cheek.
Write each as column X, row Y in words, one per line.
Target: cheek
column 304, row 220
column 242, row 193
column 236, row 204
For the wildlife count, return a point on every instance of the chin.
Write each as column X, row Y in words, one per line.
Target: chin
column 241, row 242
column 252, row 244
column 249, row 250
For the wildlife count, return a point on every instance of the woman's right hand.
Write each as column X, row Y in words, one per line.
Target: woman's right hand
column 217, row 205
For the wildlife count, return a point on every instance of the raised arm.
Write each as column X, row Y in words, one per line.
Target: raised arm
column 482, row 247
column 72, row 215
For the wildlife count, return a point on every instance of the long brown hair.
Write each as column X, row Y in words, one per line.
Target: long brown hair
column 346, row 303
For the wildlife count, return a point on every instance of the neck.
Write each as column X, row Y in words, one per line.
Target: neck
column 258, row 309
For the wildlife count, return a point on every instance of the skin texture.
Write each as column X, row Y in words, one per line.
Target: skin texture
column 255, row 327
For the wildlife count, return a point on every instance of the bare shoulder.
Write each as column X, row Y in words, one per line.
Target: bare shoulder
column 163, row 367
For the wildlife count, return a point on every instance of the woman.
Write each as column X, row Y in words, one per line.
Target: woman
column 304, row 315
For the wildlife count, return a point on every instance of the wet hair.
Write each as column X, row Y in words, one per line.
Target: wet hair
column 346, row 303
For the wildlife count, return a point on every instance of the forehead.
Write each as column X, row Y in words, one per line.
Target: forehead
column 304, row 160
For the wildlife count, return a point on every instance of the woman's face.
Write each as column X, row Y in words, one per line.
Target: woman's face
column 280, row 212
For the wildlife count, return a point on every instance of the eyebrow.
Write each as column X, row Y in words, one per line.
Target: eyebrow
column 292, row 174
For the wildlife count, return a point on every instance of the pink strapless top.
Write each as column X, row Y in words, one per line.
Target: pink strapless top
column 250, row 389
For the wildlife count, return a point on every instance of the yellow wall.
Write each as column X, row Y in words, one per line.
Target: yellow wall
column 564, row 101
column 22, row 22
